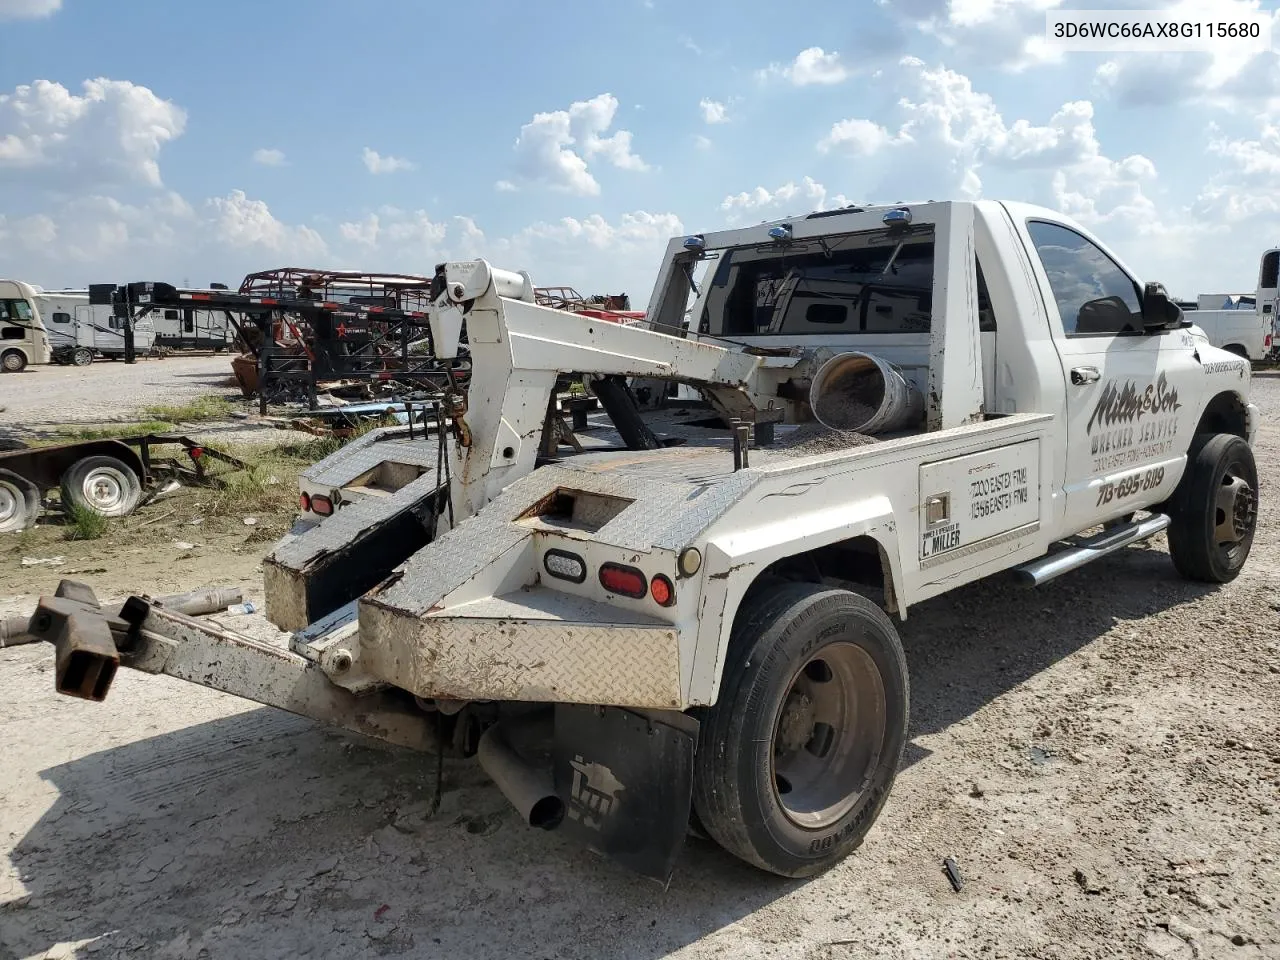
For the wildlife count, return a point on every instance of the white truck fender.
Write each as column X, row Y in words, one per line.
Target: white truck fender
column 732, row 562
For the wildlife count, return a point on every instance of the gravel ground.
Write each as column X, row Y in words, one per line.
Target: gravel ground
column 1100, row 756
column 108, row 389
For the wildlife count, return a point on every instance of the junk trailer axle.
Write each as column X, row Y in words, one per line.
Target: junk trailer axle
column 685, row 612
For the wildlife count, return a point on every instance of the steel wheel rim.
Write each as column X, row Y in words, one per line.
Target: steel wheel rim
column 1235, row 511
column 828, row 735
column 11, row 501
column 12, row 362
column 82, row 357
column 104, row 490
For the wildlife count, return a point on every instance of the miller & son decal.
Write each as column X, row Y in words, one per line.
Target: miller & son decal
column 1131, row 425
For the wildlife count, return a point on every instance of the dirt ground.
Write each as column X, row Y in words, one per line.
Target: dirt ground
column 1100, row 756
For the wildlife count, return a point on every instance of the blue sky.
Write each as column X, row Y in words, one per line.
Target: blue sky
column 148, row 139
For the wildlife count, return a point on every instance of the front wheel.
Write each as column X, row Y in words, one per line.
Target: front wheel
column 796, row 759
column 13, row 361
column 1216, row 510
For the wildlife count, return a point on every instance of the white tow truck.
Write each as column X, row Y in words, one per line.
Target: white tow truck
column 683, row 613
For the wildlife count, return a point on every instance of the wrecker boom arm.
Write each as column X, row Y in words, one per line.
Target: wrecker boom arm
column 518, row 349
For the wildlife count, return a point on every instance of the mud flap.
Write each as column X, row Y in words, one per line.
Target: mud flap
column 626, row 780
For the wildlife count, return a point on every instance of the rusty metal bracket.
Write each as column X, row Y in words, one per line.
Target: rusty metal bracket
column 73, row 621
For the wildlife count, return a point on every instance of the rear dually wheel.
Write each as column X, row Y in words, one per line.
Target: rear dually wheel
column 796, row 758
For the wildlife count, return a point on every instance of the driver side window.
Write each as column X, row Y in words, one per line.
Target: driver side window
column 1094, row 296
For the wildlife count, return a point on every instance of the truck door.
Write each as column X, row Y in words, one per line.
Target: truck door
column 1132, row 397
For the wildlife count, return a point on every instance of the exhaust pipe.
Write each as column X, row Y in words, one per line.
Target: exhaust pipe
column 862, row 393
column 529, row 788
column 87, row 659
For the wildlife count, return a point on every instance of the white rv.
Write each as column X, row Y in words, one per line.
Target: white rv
column 23, row 339
column 79, row 330
column 1242, row 323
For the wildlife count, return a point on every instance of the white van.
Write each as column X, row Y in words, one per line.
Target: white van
column 23, row 338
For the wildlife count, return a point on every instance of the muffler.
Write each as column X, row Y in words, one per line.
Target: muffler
column 861, row 393
column 529, row 787
column 86, row 659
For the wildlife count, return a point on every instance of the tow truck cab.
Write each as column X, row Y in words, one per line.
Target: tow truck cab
column 23, row 337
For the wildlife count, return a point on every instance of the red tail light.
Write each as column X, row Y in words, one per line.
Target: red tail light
column 304, row 502
column 664, row 594
column 627, row 581
column 321, row 505
column 196, row 452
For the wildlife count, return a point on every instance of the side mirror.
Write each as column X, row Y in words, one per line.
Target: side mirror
column 1158, row 311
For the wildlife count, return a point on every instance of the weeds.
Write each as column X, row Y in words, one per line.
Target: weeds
column 198, row 410
column 72, row 432
column 84, row 524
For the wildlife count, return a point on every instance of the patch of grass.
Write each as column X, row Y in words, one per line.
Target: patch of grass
column 73, row 432
column 199, row 410
column 84, row 524
column 267, row 487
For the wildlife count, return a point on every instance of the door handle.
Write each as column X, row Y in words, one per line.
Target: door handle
column 1082, row 375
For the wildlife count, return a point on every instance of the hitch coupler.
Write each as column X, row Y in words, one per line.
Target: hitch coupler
column 87, row 658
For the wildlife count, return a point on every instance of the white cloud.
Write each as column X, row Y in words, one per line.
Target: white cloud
column 28, row 9
column 687, row 42
column 1006, row 34
column 632, row 228
column 713, row 111
column 376, row 163
column 950, row 131
column 362, row 232
column 505, row 186
column 1223, row 75
column 811, row 66
column 701, row 142
column 242, row 223
column 860, row 138
column 111, row 133
column 546, row 154
column 760, row 198
column 268, row 157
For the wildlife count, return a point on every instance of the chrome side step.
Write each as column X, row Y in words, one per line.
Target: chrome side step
column 1064, row 561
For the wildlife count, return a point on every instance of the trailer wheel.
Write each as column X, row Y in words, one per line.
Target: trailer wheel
column 796, row 758
column 82, row 357
column 19, row 502
column 1216, row 510
column 104, row 485
column 13, row 361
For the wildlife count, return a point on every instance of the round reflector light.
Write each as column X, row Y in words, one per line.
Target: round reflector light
column 304, row 502
column 662, row 591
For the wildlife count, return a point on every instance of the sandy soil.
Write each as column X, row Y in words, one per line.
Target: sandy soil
column 1101, row 757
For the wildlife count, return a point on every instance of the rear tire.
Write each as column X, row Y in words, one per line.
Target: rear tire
column 105, row 485
column 1215, row 510
column 13, row 361
column 82, row 357
column 19, row 502
column 796, row 758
